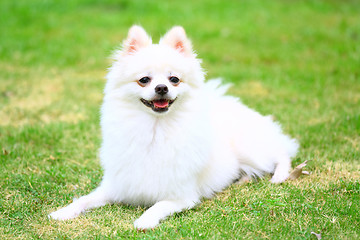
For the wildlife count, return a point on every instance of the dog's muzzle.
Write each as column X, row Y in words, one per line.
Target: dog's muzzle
column 158, row 105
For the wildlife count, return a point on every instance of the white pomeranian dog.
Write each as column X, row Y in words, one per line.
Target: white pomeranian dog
column 170, row 139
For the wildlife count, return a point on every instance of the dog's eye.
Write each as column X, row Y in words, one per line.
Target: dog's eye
column 174, row 80
column 143, row 81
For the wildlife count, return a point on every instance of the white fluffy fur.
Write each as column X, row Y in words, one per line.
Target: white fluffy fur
column 170, row 160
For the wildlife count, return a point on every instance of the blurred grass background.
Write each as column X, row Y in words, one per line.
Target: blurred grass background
column 297, row 60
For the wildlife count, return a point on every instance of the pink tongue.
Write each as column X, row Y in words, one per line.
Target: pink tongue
column 161, row 103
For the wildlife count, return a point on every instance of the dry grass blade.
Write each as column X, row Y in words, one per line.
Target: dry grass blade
column 298, row 171
column 317, row 235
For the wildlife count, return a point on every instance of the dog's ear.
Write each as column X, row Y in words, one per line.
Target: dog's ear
column 176, row 38
column 137, row 38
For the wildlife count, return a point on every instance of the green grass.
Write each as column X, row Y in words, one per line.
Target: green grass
column 297, row 60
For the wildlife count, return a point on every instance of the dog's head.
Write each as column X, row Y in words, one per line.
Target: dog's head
column 156, row 77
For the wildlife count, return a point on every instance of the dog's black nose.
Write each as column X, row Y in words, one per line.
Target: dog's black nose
column 161, row 89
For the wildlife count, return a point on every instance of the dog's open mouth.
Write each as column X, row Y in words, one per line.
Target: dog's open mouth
column 158, row 105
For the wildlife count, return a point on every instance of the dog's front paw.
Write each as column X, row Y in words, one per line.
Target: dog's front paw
column 146, row 222
column 279, row 178
column 64, row 213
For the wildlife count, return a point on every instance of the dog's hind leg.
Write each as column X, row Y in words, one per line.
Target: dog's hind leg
column 282, row 169
column 95, row 199
column 161, row 210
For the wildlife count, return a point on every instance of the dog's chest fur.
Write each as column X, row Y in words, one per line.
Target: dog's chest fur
column 152, row 161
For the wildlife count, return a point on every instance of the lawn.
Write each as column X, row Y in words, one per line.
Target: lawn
column 297, row 60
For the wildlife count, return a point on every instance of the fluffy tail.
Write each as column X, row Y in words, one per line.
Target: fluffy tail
column 215, row 85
